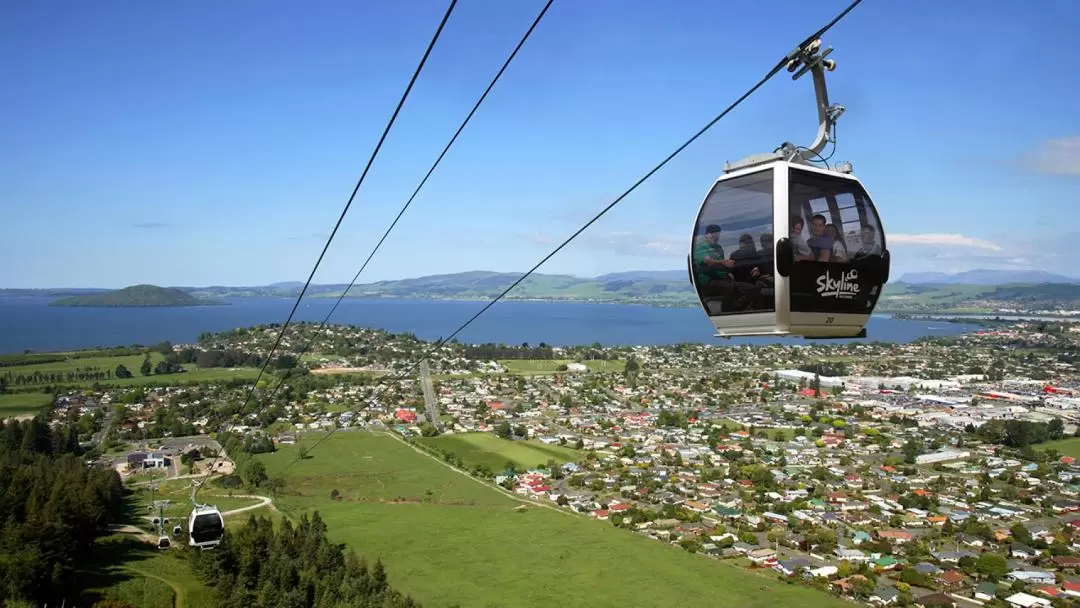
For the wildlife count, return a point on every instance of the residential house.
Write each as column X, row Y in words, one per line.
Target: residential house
column 1031, row 576
column 935, row 600
column 950, row 578
column 1021, row 551
column 1023, row 600
column 884, row 596
column 985, row 591
column 896, row 537
column 789, row 567
column 762, row 555
column 927, row 568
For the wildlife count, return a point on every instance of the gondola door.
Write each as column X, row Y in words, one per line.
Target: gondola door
column 840, row 263
column 731, row 262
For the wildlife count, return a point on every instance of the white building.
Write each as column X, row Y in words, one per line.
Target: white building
column 154, row 460
column 942, row 456
column 794, row 375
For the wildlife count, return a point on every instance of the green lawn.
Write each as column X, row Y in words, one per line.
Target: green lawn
column 18, row 404
column 547, row 366
column 139, row 573
column 1066, row 447
column 132, row 362
column 491, row 451
column 449, row 539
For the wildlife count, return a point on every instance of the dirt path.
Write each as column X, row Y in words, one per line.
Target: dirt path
column 139, row 533
column 263, row 501
column 178, row 591
column 506, row 492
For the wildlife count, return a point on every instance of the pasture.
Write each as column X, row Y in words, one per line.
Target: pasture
column 1065, row 447
column 493, row 452
column 450, row 539
column 550, row 366
column 19, row 404
column 194, row 373
column 126, row 569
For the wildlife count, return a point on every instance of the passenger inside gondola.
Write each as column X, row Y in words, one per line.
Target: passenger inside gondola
column 839, row 249
column 713, row 274
column 869, row 245
column 763, row 272
column 798, row 242
column 820, row 243
column 746, row 260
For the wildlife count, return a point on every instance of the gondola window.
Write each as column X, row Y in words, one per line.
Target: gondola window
column 732, row 259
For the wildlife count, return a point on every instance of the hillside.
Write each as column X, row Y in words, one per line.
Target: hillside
column 665, row 288
column 482, row 284
column 135, row 296
column 986, row 277
column 655, row 288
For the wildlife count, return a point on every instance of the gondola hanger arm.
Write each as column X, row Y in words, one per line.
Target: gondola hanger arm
column 811, row 58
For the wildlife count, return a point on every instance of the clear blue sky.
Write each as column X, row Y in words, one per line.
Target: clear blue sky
column 197, row 143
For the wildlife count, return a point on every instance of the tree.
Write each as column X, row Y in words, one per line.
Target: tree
column 253, row 473
column 146, row 366
column 1055, row 429
column 911, row 451
column 504, row 430
column 274, row 485
column 992, row 565
column 122, row 372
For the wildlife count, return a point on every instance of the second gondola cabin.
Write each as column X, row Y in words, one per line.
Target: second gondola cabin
column 786, row 248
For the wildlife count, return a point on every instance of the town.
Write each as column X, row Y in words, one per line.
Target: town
column 936, row 473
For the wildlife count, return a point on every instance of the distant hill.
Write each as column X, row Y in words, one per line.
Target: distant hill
column 646, row 275
column 55, row 292
column 918, row 292
column 485, row 284
column 135, row 296
column 986, row 277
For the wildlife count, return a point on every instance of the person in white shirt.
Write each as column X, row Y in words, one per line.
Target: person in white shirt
column 798, row 242
column 839, row 250
column 869, row 246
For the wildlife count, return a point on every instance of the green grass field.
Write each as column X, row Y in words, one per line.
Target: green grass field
column 18, row 404
column 127, row 569
column 491, row 451
column 1066, row 447
column 132, row 362
column 450, row 539
column 548, row 366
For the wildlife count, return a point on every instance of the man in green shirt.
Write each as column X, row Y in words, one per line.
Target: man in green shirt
column 712, row 272
column 709, row 262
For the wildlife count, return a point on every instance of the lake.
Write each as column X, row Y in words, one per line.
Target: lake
column 29, row 323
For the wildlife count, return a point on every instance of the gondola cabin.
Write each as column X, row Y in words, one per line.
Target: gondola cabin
column 206, row 527
column 785, row 248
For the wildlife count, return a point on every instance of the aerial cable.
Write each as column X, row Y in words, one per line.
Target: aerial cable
column 341, row 218
column 768, row 76
column 405, row 207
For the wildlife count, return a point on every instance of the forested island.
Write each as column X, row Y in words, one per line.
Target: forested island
column 136, row 296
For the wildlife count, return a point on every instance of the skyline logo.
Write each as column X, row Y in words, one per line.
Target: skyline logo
column 845, row 287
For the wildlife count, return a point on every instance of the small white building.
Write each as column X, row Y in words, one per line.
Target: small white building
column 1023, row 600
column 154, row 460
column 942, row 456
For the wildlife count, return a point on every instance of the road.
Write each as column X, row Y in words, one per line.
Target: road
column 99, row 436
